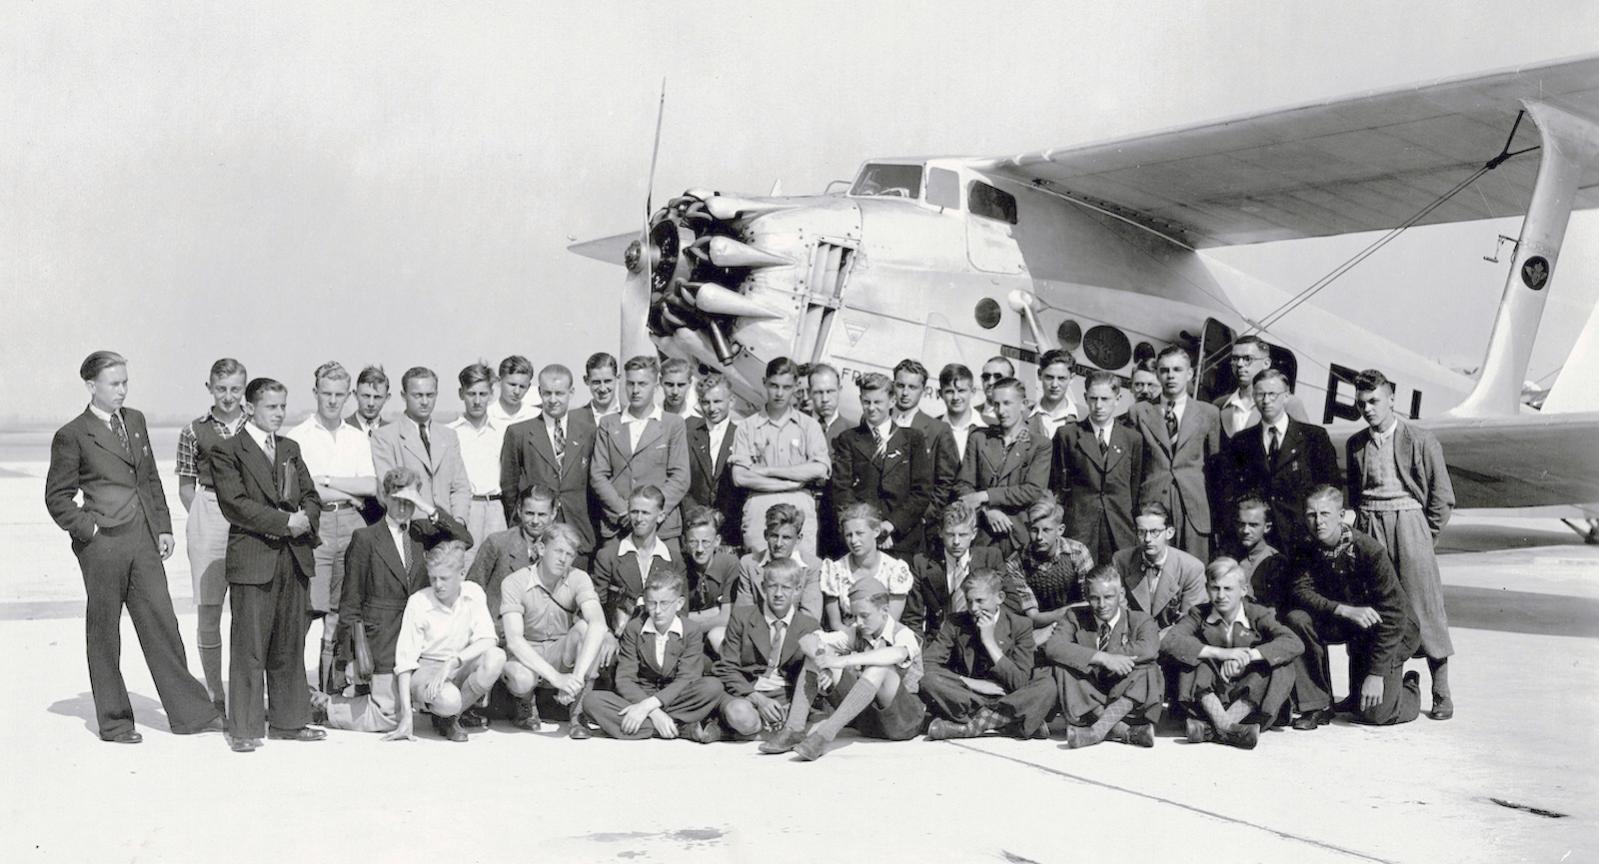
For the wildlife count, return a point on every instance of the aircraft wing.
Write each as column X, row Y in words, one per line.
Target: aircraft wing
column 1527, row 460
column 1359, row 163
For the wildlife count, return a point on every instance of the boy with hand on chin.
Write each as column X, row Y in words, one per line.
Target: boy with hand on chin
column 760, row 658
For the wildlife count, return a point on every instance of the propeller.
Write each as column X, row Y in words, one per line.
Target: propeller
column 640, row 262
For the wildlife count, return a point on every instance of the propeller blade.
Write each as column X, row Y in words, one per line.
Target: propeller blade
column 727, row 207
column 727, row 252
column 718, row 300
column 606, row 249
column 635, row 315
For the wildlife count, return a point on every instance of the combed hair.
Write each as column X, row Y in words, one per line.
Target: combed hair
column 643, row 362
column 911, row 365
column 677, row 364
column 702, row 516
column 1325, row 492
column 1010, row 384
column 562, row 532
column 984, row 577
column 784, row 513
column 652, row 492
column 958, row 514
column 448, row 556
column 1099, row 377
column 952, row 374
column 259, row 387
column 785, row 571
column 417, row 373
column 537, row 492
column 1052, row 357
column 1257, row 344
column 373, row 376
column 1104, row 574
column 1155, row 508
column 554, row 370
column 516, row 364
column 1175, row 351
column 398, row 478
column 873, row 382
column 1251, row 501
column 332, row 370
column 1000, row 358
column 1046, row 507
column 820, row 368
column 1368, row 380
column 1221, row 567
column 599, row 360
column 477, row 373
column 709, row 382
column 225, row 367
column 98, row 362
column 780, row 366
column 1269, row 374
column 666, row 579
column 859, row 510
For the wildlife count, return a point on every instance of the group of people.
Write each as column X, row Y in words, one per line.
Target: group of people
column 649, row 564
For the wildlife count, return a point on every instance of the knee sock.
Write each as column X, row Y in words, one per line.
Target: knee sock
column 209, row 639
column 1215, row 712
column 1238, row 711
column 1440, row 677
column 799, row 708
column 1112, row 715
column 855, row 701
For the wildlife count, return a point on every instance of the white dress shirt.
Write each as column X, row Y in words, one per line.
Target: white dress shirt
column 659, row 641
column 343, row 451
column 480, row 450
column 633, row 427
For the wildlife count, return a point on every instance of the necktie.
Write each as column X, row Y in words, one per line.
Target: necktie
column 405, row 558
column 779, row 630
column 1104, row 443
column 558, row 442
column 427, row 444
column 271, row 449
column 121, row 430
column 1104, row 637
column 1171, row 424
column 1272, row 443
column 879, row 442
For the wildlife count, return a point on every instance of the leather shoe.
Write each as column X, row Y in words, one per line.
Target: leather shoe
column 527, row 715
column 782, row 742
column 1311, row 719
column 1140, row 735
column 812, row 748
column 579, row 731
column 1442, row 709
column 943, row 730
column 449, row 728
column 304, row 733
column 1078, row 737
column 131, row 736
column 1244, row 736
column 1199, row 731
column 474, row 718
column 243, row 745
column 706, row 731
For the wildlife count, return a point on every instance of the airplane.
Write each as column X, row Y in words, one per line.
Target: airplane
column 1100, row 249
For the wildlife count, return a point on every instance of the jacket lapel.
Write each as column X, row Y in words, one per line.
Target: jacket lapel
column 541, row 445
column 1289, row 446
column 651, row 432
column 391, row 554
column 255, row 461
column 411, row 439
column 699, row 444
column 102, row 435
column 1088, row 443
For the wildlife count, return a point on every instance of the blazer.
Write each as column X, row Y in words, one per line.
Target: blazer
column 1092, row 485
column 587, row 410
column 498, row 556
column 958, row 647
column 710, row 483
column 527, row 459
column 443, row 474
column 1179, row 465
column 1421, row 471
column 660, row 458
column 638, row 677
column 928, row 605
column 900, row 484
column 618, row 581
column 377, row 584
column 946, row 463
column 1305, row 460
column 1181, row 586
column 1013, row 478
column 257, row 496
column 747, row 649
column 118, row 486
column 1361, row 576
column 836, row 426
column 1276, row 643
column 1075, row 640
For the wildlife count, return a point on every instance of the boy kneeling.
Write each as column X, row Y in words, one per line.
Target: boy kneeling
column 761, row 658
column 659, row 671
column 1236, row 661
column 447, row 656
column 980, row 656
column 879, row 699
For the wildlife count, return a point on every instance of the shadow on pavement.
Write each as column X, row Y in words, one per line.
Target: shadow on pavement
column 1521, row 612
column 146, row 711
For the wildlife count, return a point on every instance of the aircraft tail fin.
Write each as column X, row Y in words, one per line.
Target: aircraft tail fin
column 1574, row 389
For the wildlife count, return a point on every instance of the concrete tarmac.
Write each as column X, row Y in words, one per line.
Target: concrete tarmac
column 1511, row 778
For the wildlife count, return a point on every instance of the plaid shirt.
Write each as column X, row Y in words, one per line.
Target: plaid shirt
column 189, row 445
column 1045, row 586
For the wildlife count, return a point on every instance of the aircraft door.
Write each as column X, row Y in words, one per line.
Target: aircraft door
column 1215, row 375
column 990, row 230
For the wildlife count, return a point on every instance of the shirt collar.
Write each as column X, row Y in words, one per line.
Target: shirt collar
column 974, row 418
column 655, row 414
column 257, row 433
column 1241, row 402
column 105, row 416
column 461, row 423
column 1281, row 426
column 1159, row 562
column 766, row 556
column 885, row 429
column 1110, row 626
column 677, row 626
column 1177, row 405
column 1393, row 427
column 1238, row 616
column 904, row 420
column 1066, row 408
column 417, row 426
column 661, row 550
column 1106, row 429
column 211, row 416
column 786, row 417
column 953, row 564
column 395, row 527
column 788, row 620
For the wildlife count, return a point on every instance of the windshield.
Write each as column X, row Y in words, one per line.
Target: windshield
column 899, row 181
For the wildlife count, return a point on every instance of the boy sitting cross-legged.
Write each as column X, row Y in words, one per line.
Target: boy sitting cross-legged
column 761, row 657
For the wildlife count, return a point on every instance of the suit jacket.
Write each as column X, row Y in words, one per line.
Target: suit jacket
column 928, row 605
column 1181, row 586
column 710, row 483
column 443, row 474
column 1075, row 640
column 638, row 676
column 118, row 486
column 747, row 649
column 587, row 412
column 1421, row 471
column 660, row 458
column 527, row 459
column 946, row 462
column 958, row 647
column 1179, row 467
column 836, row 426
column 377, row 584
column 1361, row 576
column 1291, row 405
column 1305, row 460
column 257, row 496
column 900, row 484
column 1276, row 643
column 618, row 581
column 1013, row 478
column 498, row 556
column 1095, row 485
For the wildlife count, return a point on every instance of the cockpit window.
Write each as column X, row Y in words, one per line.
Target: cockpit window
column 984, row 200
column 895, row 181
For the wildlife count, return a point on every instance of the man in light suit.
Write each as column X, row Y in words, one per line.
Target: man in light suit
column 1181, row 439
column 1095, row 469
column 1279, row 458
column 639, row 447
column 887, row 466
column 267, row 494
column 1004, row 471
column 824, row 389
column 120, row 534
column 530, row 457
column 430, row 449
column 710, row 446
column 1162, row 581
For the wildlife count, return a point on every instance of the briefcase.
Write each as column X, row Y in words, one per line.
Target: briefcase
column 363, row 652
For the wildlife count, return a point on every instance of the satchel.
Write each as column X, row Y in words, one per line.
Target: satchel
column 363, row 652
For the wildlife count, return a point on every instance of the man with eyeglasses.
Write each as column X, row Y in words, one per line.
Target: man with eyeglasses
column 1279, row 459
column 994, row 371
column 1250, row 357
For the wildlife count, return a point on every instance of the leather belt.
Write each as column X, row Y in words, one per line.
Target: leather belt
column 492, row 497
column 338, row 505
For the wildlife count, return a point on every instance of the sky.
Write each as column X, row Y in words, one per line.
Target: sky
column 294, row 182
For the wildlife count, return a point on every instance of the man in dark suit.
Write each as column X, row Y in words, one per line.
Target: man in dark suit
column 760, row 657
column 622, row 567
column 941, row 569
column 1280, row 459
column 1095, row 469
column 884, row 465
column 1181, row 439
column 553, row 451
column 600, row 375
column 710, row 445
column 121, row 533
column 1239, row 409
column 980, row 656
column 272, row 508
column 1235, row 661
column 910, row 383
column 824, row 390
column 1004, row 471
